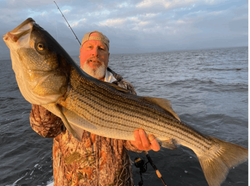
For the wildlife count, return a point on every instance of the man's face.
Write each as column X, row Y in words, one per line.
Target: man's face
column 94, row 57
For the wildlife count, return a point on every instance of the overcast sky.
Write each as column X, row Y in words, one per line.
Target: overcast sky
column 135, row 26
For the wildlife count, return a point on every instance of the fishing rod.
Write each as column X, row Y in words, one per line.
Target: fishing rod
column 155, row 168
column 68, row 24
column 138, row 162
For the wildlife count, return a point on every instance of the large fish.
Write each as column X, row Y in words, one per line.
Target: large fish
column 47, row 76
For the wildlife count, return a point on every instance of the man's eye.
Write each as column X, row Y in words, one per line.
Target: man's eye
column 89, row 46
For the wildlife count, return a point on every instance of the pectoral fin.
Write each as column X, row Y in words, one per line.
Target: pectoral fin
column 78, row 122
column 163, row 103
column 55, row 109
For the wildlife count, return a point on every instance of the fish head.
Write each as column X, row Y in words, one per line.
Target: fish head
column 39, row 63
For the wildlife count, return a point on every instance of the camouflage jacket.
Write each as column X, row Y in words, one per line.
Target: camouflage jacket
column 96, row 160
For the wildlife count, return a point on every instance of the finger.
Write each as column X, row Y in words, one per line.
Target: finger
column 137, row 136
column 144, row 138
column 155, row 146
column 137, row 142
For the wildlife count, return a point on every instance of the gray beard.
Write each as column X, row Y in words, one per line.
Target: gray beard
column 97, row 73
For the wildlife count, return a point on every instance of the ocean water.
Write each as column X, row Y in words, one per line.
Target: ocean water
column 208, row 89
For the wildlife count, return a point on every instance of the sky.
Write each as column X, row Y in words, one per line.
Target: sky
column 135, row 26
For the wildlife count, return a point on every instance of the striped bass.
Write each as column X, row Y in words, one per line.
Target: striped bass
column 47, row 76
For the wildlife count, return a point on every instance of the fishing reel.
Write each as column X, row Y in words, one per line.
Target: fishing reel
column 139, row 163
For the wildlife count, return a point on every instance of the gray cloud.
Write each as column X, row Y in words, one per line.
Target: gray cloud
column 135, row 25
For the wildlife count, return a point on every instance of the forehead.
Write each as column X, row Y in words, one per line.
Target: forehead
column 94, row 42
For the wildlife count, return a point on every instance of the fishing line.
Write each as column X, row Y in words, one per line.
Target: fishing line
column 138, row 162
column 68, row 24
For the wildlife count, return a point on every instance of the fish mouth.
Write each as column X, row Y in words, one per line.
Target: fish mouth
column 18, row 32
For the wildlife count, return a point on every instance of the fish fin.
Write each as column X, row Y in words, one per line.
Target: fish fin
column 117, row 87
column 55, row 109
column 163, row 103
column 169, row 144
column 217, row 161
column 78, row 131
column 78, row 122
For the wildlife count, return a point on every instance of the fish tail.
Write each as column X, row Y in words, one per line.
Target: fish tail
column 217, row 161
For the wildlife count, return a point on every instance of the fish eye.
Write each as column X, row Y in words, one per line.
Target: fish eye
column 40, row 46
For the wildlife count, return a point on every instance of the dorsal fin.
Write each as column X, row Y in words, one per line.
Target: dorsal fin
column 163, row 103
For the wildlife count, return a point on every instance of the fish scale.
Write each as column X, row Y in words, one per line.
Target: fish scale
column 94, row 108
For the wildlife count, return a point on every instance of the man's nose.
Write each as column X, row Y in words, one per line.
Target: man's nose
column 95, row 52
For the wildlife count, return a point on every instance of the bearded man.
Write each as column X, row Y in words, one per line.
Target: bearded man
column 95, row 160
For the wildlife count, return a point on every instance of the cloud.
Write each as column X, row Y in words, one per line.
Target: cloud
column 78, row 23
column 175, row 4
column 123, row 5
column 168, row 4
column 150, row 15
column 114, row 23
column 147, row 25
column 66, row 11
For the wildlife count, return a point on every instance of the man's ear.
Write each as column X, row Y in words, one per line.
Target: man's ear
column 108, row 56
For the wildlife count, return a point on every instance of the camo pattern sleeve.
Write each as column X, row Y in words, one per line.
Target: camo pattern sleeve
column 126, row 85
column 95, row 160
column 122, row 82
column 44, row 122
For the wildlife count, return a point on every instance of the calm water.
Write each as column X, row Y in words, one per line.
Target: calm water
column 208, row 89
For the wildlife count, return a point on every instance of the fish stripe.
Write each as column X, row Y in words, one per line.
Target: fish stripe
column 111, row 112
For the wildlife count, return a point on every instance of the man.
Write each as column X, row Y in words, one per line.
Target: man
column 95, row 160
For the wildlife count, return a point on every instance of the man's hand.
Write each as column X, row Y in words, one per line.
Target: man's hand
column 145, row 142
